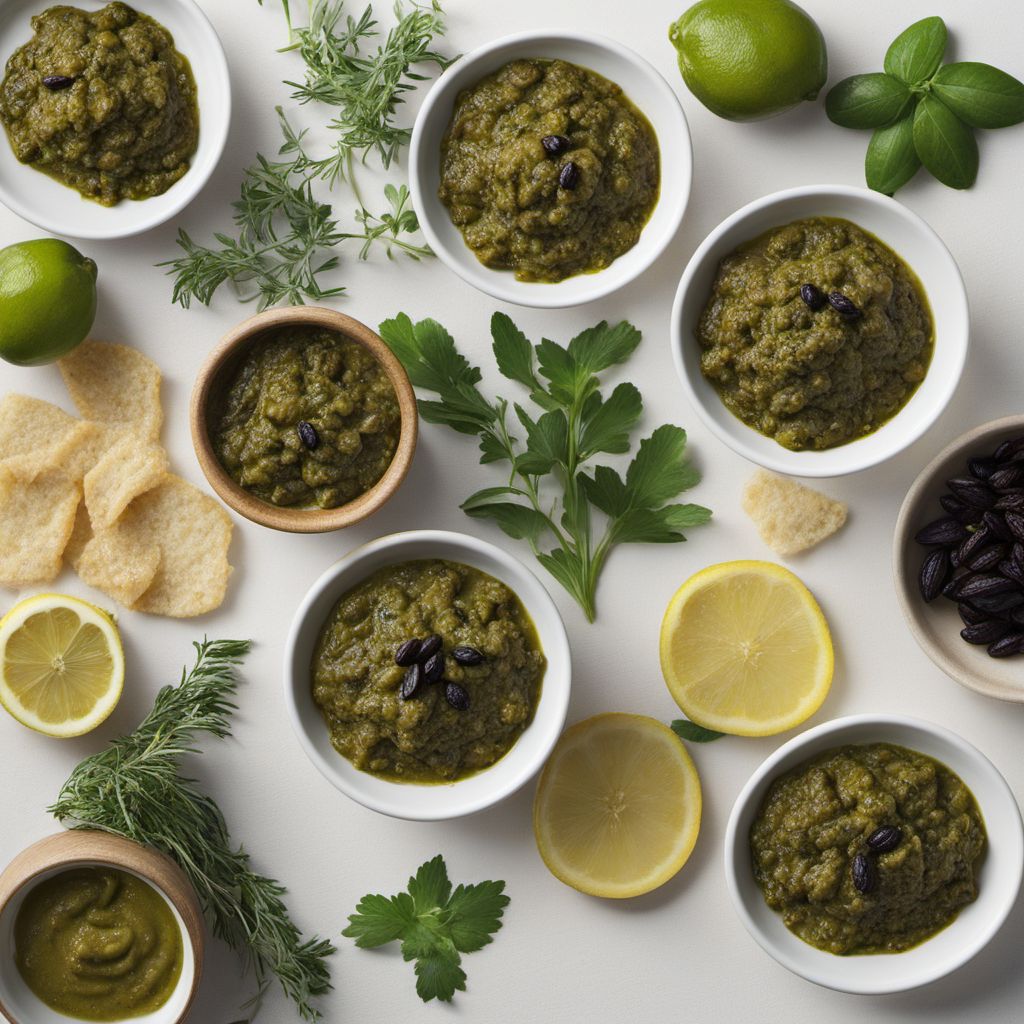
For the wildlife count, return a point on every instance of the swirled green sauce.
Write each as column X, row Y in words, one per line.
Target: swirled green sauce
column 98, row 944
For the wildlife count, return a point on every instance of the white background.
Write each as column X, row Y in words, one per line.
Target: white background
column 679, row 953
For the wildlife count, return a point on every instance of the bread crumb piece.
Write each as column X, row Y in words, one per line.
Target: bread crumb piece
column 789, row 516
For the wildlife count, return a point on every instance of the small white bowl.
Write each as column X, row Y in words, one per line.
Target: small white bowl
column 410, row 800
column 642, row 85
column 998, row 882
column 60, row 209
column 904, row 232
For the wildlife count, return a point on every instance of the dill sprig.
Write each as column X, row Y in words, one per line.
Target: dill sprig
column 285, row 235
column 135, row 789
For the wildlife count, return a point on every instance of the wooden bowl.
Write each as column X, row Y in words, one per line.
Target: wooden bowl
column 936, row 626
column 78, row 848
column 300, row 520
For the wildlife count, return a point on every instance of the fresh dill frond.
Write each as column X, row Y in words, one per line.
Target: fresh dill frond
column 134, row 788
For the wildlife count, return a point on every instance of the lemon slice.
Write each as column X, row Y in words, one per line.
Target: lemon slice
column 617, row 809
column 745, row 649
column 61, row 664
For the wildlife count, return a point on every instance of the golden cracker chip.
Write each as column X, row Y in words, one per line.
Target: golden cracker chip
column 789, row 516
column 81, row 534
column 37, row 515
column 192, row 533
column 85, row 446
column 115, row 384
column 113, row 561
column 31, row 426
column 127, row 470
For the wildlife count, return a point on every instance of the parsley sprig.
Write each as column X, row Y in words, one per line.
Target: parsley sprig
column 434, row 924
column 576, row 424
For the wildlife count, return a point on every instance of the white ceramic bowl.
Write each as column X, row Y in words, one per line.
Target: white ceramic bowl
column 998, row 883
column 409, row 800
column 904, row 232
column 61, row 210
column 641, row 83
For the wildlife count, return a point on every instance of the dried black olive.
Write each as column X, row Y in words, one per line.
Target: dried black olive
column 408, row 653
column 411, row 682
column 433, row 668
column 55, row 82
column 985, row 585
column 863, row 874
column 467, row 655
column 555, row 144
column 972, row 492
column 1009, row 449
column 456, row 696
column 430, row 646
column 569, row 176
column 997, row 603
column 814, row 297
column 844, row 306
column 996, row 523
column 934, row 574
column 886, row 838
column 982, row 468
column 1015, row 521
column 985, row 632
column 1012, row 643
column 1009, row 476
column 987, row 558
column 971, row 616
column 1009, row 568
column 1012, row 501
column 945, row 532
column 307, row 434
column 973, row 543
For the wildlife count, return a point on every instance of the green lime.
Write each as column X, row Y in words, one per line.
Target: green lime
column 47, row 300
column 748, row 59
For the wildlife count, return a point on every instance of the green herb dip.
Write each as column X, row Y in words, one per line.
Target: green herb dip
column 817, row 818
column 502, row 187
column 120, row 118
column 96, row 943
column 305, row 375
column 814, row 379
column 424, row 739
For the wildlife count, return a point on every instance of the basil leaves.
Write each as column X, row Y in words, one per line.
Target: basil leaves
column 924, row 112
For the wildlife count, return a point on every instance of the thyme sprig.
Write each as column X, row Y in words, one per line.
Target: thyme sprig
column 134, row 788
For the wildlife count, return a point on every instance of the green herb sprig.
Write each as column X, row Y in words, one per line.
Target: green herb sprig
column 576, row 424
column 687, row 730
column 135, row 789
column 434, row 924
column 923, row 111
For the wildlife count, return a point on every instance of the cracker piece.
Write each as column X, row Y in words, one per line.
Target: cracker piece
column 29, row 426
column 789, row 516
column 81, row 534
column 113, row 561
column 85, row 446
column 192, row 533
column 37, row 515
column 114, row 384
column 125, row 471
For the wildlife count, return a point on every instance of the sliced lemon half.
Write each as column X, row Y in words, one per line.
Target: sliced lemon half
column 745, row 649
column 61, row 664
column 618, row 805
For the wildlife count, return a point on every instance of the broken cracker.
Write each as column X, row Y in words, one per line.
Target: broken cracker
column 790, row 517
column 115, row 562
column 125, row 471
column 31, row 426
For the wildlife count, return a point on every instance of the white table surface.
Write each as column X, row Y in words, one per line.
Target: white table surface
column 679, row 953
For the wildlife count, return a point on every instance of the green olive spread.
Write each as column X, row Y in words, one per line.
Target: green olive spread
column 451, row 706
column 309, row 418
column 815, row 333
column 96, row 943
column 548, row 170
column 103, row 102
column 868, row 849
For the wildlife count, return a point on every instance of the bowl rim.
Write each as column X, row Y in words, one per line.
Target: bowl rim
column 500, row 284
column 906, row 592
column 765, row 773
column 779, row 459
column 301, row 520
column 555, row 694
column 185, row 190
column 81, row 847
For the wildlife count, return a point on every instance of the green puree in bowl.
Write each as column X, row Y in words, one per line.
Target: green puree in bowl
column 96, row 943
column 813, row 378
column 306, row 418
column 423, row 738
column 103, row 102
column 912, row 823
column 548, row 170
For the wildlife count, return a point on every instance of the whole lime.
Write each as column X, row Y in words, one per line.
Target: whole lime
column 749, row 59
column 47, row 300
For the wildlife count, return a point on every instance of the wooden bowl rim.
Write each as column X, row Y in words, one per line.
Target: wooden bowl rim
column 294, row 520
column 90, row 846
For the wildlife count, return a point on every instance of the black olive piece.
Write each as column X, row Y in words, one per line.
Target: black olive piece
column 863, row 874
column 555, row 144
column 1009, row 449
column 886, row 838
column 1015, row 521
column 456, row 696
column 408, row 653
column 411, row 682
column 972, row 492
column 971, row 616
column 1017, row 615
column 944, row 532
column 952, row 589
column 953, row 505
column 1017, row 557
column 996, row 604
column 1012, row 501
column 1012, row 643
column 569, row 176
column 987, row 558
column 433, row 668
column 813, row 296
column 973, row 543
column 935, row 572
column 55, row 82
column 986, row 585
column 1009, row 568
column 844, row 306
column 982, row 469
column 985, row 632
column 307, row 434
column 430, row 646
column 467, row 655
column 996, row 524
column 1009, row 476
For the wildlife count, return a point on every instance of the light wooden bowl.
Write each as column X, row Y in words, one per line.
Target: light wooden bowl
column 78, row 848
column 300, row 520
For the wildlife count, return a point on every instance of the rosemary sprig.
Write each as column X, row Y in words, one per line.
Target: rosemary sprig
column 135, row 789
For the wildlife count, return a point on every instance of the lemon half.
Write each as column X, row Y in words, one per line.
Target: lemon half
column 745, row 649
column 61, row 664
column 618, row 806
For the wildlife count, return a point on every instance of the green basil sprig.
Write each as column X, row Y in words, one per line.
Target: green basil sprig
column 924, row 112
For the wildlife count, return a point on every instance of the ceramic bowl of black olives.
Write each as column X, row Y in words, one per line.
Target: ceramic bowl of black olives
column 958, row 559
